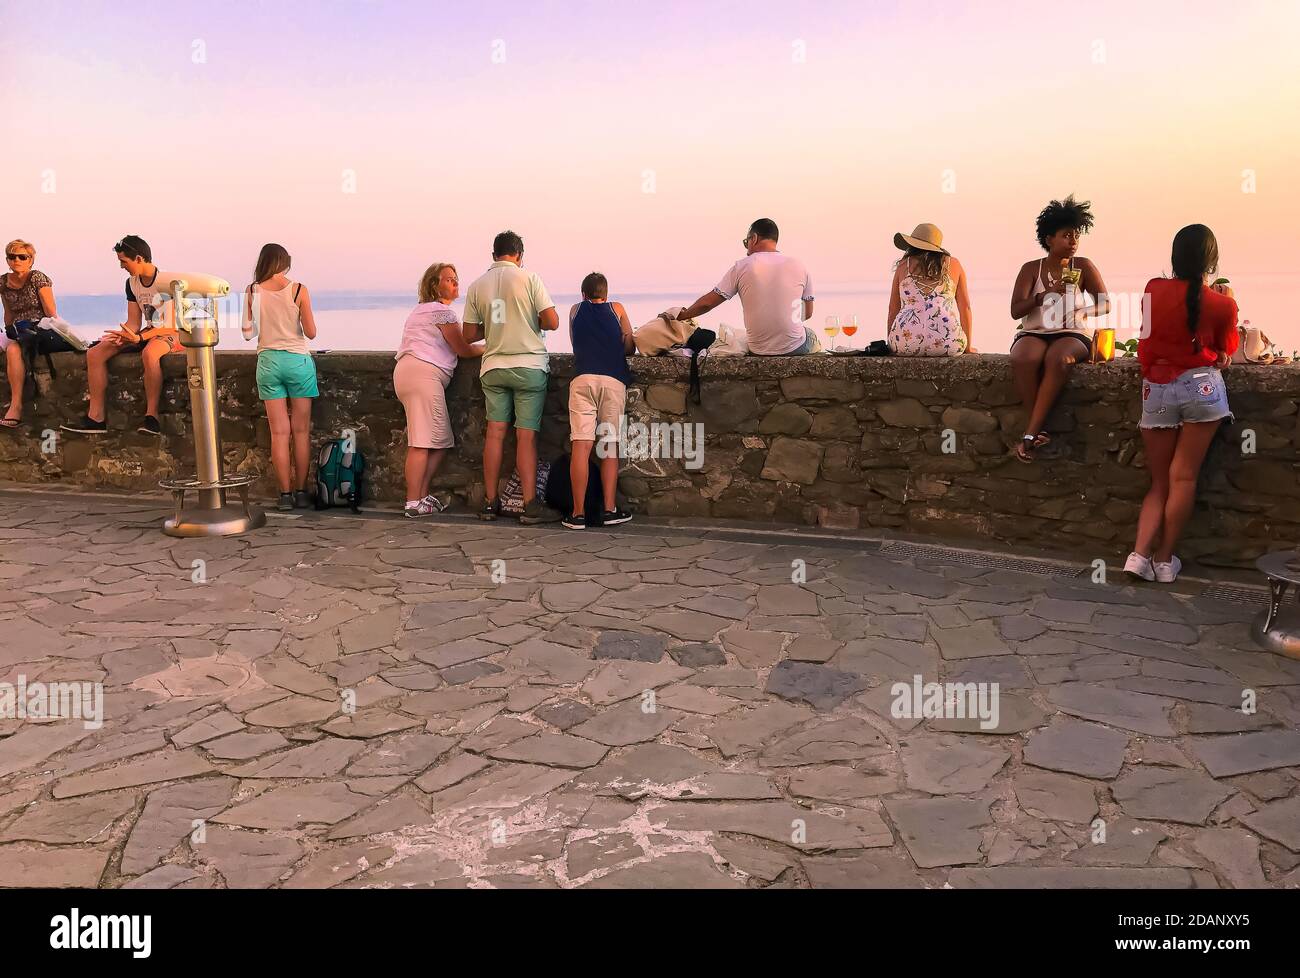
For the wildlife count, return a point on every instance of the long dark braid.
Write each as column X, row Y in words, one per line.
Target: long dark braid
column 1195, row 255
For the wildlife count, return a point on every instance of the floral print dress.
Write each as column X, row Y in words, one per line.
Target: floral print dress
column 928, row 324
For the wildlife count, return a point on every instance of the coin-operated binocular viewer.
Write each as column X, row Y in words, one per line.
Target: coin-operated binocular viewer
column 195, row 300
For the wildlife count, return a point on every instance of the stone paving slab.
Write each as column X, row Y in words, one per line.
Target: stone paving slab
column 363, row 702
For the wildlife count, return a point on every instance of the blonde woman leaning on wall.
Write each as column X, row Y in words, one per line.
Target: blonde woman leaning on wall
column 431, row 347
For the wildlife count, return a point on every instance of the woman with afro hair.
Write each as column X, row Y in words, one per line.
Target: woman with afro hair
column 1054, row 333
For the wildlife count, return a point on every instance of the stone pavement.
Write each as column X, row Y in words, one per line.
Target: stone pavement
column 377, row 703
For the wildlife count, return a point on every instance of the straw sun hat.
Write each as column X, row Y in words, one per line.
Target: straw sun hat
column 927, row 237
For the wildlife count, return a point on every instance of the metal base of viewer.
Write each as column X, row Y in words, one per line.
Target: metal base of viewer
column 214, row 517
column 224, row 522
column 1282, row 634
column 1276, row 629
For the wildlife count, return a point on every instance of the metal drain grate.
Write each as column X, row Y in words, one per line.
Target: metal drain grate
column 976, row 559
column 1235, row 594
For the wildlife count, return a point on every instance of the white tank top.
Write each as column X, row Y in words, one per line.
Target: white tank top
column 279, row 320
column 1076, row 322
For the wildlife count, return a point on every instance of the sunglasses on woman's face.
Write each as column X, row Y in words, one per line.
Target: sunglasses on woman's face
column 10, row 257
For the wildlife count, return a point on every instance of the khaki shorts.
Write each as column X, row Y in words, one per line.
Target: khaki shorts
column 422, row 389
column 595, row 401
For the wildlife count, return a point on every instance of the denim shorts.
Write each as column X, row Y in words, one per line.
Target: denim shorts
column 1194, row 395
column 811, row 344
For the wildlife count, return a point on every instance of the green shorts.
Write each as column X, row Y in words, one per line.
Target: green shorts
column 517, row 393
column 283, row 374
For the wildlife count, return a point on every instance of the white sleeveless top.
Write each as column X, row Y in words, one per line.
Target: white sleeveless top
column 279, row 320
column 1076, row 323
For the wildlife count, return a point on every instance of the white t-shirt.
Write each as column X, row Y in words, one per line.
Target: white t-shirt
column 772, row 288
column 152, row 298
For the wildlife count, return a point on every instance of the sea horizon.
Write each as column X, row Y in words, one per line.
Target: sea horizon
column 372, row 319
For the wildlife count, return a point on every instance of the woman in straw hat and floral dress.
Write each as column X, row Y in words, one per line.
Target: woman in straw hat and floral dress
column 929, row 303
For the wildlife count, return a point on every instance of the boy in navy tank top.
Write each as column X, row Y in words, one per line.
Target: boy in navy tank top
column 602, row 341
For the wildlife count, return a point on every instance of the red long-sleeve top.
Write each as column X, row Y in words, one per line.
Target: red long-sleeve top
column 1165, row 350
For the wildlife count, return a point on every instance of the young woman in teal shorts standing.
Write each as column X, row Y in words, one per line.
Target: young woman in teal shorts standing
column 279, row 312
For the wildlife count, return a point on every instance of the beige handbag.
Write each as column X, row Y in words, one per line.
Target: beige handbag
column 1252, row 345
column 663, row 333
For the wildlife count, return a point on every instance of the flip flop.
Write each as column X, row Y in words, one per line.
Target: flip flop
column 1042, row 439
column 10, row 422
column 1025, row 450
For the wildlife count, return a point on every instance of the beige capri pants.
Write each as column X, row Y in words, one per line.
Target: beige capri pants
column 422, row 389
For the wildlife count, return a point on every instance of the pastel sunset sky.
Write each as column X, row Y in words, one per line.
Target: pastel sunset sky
column 642, row 138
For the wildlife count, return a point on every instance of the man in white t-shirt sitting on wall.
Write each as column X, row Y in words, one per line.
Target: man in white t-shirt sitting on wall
column 150, row 330
column 775, row 293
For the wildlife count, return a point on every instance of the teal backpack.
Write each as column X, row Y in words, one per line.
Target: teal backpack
column 339, row 476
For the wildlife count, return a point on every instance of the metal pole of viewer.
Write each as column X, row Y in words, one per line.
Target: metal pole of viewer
column 199, row 333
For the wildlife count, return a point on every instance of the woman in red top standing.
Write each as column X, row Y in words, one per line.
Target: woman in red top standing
column 1188, row 335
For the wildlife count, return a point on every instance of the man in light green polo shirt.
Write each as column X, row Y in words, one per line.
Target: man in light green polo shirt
column 509, row 307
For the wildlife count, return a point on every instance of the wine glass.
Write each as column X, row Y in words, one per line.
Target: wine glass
column 851, row 326
column 832, row 328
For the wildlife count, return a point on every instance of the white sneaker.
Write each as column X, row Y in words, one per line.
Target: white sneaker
column 422, row 508
column 1168, row 573
column 1139, row 566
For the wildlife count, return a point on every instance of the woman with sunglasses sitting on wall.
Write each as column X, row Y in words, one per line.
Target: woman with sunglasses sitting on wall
column 28, row 297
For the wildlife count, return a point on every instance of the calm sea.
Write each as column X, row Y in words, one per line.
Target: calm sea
column 373, row 320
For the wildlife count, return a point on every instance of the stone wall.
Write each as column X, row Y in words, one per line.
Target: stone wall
column 900, row 444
